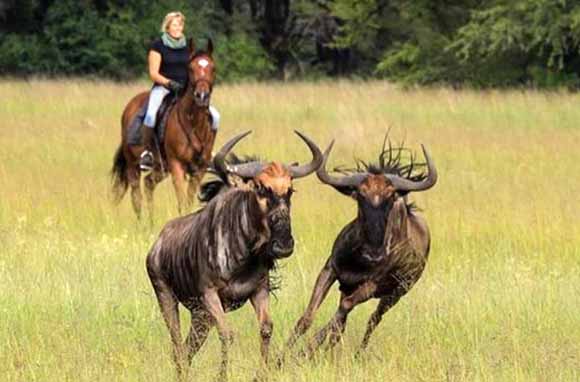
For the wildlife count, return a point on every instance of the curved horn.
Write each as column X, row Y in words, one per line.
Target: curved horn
column 219, row 159
column 345, row 181
column 403, row 184
column 306, row 169
column 245, row 170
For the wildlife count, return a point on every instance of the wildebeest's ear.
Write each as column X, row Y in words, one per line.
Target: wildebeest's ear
column 209, row 48
column 191, row 47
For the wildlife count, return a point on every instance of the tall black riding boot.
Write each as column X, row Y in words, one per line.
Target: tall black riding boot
column 146, row 159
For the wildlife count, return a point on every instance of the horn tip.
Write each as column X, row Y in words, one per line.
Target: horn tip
column 299, row 134
column 329, row 148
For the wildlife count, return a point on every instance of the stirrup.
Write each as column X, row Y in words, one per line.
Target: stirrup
column 146, row 161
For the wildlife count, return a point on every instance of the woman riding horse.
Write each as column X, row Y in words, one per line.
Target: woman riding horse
column 185, row 149
column 168, row 65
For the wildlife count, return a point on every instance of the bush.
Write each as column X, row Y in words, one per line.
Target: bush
column 240, row 57
column 25, row 55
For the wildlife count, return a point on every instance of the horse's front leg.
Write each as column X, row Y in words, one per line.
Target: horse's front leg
column 134, row 177
column 179, row 183
column 151, row 181
column 193, row 184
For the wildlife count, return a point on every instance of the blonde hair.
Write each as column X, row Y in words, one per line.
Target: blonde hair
column 169, row 18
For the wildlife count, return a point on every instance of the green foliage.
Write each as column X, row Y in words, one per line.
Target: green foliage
column 480, row 43
column 240, row 57
column 23, row 55
column 545, row 33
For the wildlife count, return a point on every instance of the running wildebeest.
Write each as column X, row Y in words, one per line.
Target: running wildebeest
column 381, row 253
column 214, row 260
column 188, row 140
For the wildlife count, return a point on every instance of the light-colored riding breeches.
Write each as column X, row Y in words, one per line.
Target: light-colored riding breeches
column 156, row 97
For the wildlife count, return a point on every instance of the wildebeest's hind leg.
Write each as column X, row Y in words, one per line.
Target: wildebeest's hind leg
column 337, row 324
column 169, row 308
column 386, row 303
column 134, row 177
column 214, row 306
column 201, row 323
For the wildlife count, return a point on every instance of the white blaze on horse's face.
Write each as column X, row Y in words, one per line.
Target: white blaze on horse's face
column 203, row 73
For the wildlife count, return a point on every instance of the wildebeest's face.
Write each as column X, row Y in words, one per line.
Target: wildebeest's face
column 375, row 197
column 376, row 194
column 273, row 187
column 274, row 190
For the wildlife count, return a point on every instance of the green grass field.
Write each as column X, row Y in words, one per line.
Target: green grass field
column 499, row 301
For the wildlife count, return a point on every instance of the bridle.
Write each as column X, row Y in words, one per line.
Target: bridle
column 202, row 80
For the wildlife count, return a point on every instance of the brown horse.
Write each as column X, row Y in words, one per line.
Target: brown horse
column 187, row 146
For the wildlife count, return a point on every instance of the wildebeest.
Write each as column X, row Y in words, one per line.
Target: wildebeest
column 214, row 260
column 188, row 141
column 381, row 253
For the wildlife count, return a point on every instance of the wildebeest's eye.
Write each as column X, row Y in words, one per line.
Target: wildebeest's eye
column 265, row 192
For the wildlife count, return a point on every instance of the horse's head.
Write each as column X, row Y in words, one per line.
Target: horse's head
column 201, row 73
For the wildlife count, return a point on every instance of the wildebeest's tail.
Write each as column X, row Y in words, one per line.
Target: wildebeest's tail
column 119, row 175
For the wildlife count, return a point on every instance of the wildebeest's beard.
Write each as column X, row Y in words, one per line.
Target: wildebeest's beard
column 373, row 225
column 281, row 243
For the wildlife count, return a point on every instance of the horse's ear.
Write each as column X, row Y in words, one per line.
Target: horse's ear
column 209, row 48
column 191, row 47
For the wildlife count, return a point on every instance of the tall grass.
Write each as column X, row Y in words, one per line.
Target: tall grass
column 500, row 299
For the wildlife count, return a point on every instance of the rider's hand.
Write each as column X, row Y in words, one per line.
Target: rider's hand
column 174, row 86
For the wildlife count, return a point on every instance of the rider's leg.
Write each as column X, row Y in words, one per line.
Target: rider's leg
column 215, row 118
column 155, row 98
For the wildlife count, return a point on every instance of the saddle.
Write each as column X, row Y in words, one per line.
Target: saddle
column 134, row 131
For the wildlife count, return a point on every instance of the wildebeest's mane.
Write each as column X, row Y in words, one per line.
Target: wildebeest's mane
column 397, row 160
column 211, row 188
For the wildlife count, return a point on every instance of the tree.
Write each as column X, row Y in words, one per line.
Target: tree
column 541, row 36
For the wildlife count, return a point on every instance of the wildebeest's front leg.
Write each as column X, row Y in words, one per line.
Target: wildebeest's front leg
column 337, row 324
column 169, row 309
column 260, row 301
column 325, row 279
column 201, row 323
column 214, row 306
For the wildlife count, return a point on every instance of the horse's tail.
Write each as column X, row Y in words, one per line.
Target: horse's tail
column 119, row 175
